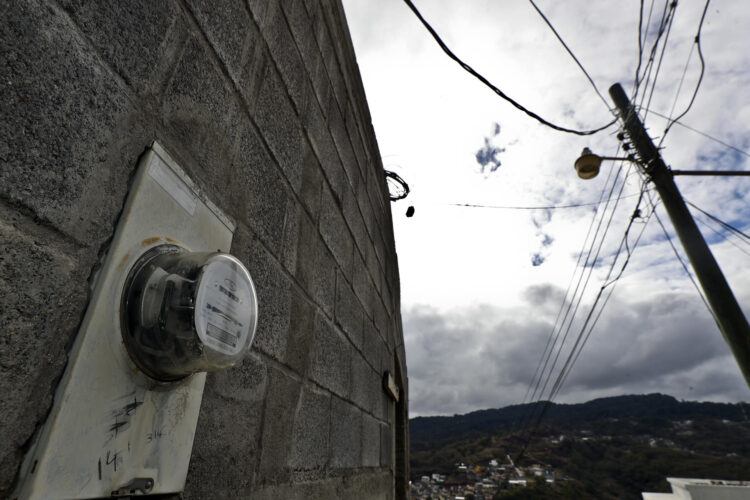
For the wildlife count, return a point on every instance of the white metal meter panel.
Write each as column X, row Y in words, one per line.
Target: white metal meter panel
column 112, row 430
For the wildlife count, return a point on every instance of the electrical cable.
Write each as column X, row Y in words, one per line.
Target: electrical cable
column 495, row 89
column 697, row 43
column 548, row 207
column 707, row 136
column 650, row 63
column 575, row 351
column 585, row 285
column 613, row 282
column 565, row 297
column 590, row 264
column 673, row 9
column 591, row 81
column 400, row 187
column 723, row 224
column 679, row 87
column 720, row 234
column 641, row 45
column 640, row 42
column 682, row 263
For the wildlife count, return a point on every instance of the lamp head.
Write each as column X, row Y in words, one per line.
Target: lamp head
column 587, row 165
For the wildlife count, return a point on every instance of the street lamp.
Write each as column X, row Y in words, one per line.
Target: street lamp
column 587, row 165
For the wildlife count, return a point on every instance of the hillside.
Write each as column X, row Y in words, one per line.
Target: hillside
column 607, row 448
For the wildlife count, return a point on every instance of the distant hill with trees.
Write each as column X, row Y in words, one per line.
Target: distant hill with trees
column 612, row 447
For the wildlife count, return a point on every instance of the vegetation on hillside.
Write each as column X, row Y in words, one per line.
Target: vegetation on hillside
column 609, row 448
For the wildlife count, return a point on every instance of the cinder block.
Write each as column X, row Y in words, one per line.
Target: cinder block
column 280, row 126
column 225, row 450
column 258, row 191
column 311, row 440
column 325, row 150
column 349, row 314
column 370, row 442
column 361, row 377
column 376, row 398
column 312, row 179
column 202, row 111
column 284, row 52
column 330, row 353
column 374, row 267
column 346, row 429
column 278, row 427
column 300, row 241
column 131, row 36
column 373, row 348
column 373, row 486
column 258, row 10
column 300, row 336
column 380, row 318
column 365, row 207
column 386, row 446
column 274, row 293
column 301, row 29
column 324, row 280
column 245, row 383
column 43, row 292
column 331, row 62
column 355, row 222
column 363, row 286
column 228, row 28
column 343, row 146
column 63, row 113
column 335, row 232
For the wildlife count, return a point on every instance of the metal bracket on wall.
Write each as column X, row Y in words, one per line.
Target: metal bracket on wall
column 391, row 387
column 112, row 430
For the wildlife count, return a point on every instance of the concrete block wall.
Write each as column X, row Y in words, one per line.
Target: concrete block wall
column 261, row 102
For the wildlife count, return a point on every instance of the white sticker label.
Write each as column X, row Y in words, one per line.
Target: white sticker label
column 224, row 307
column 168, row 180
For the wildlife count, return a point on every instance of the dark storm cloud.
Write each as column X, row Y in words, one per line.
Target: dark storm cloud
column 543, row 295
column 485, row 357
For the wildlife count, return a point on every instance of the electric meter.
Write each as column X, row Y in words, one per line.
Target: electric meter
column 185, row 312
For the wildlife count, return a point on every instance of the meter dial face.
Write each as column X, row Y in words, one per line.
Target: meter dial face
column 225, row 306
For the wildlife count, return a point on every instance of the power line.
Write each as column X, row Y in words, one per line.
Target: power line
column 679, row 87
column 564, row 301
column 576, row 298
column 707, row 136
column 591, row 81
column 682, row 262
column 650, row 63
column 548, row 207
column 726, row 225
column 700, row 77
column 496, row 90
column 641, row 42
column 582, row 335
column 673, row 8
column 611, row 290
column 720, row 234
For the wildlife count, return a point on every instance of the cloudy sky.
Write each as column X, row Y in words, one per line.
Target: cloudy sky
column 482, row 287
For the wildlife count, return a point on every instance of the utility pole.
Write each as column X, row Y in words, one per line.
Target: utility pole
column 729, row 316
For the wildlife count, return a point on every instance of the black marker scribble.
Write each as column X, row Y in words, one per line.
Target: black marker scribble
column 117, row 426
column 130, row 408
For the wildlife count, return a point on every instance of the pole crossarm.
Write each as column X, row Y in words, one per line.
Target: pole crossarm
column 729, row 316
column 718, row 173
